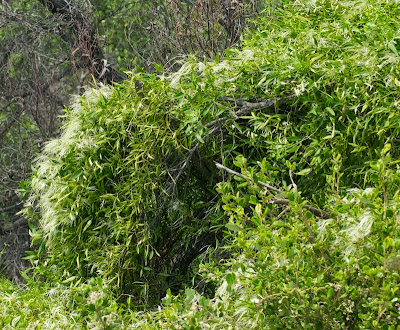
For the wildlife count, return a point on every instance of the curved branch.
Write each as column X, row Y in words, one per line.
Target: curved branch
column 265, row 185
column 281, row 201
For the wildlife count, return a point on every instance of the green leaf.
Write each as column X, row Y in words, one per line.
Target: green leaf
column 304, row 171
column 158, row 67
column 330, row 111
column 69, row 279
column 233, row 227
column 230, row 278
column 392, row 47
column 199, row 137
column 278, row 224
column 253, row 200
column 330, row 293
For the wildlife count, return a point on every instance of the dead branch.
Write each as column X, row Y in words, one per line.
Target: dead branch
column 275, row 200
column 11, row 207
column 317, row 212
column 246, row 107
column 13, row 118
column 265, row 185
column 87, row 45
column 9, row 228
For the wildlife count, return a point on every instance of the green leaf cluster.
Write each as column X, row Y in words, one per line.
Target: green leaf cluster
column 104, row 182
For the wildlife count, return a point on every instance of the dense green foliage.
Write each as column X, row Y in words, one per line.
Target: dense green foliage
column 105, row 180
column 131, row 185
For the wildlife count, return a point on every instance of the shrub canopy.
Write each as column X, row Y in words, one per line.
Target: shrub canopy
column 285, row 150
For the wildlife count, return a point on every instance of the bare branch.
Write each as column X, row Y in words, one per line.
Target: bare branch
column 246, row 107
column 317, row 212
column 87, row 45
column 281, row 201
column 265, row 185
column 6, row 229
column 10, row 121
column 11, row 207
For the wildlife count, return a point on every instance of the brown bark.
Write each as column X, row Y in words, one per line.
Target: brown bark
column 84, row 41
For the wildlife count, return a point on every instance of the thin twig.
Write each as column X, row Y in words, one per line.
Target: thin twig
column 319, row 213
column 280, row 215
column 11, row 227
column 8, row 208
column 281, row 201
column 226, row 169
